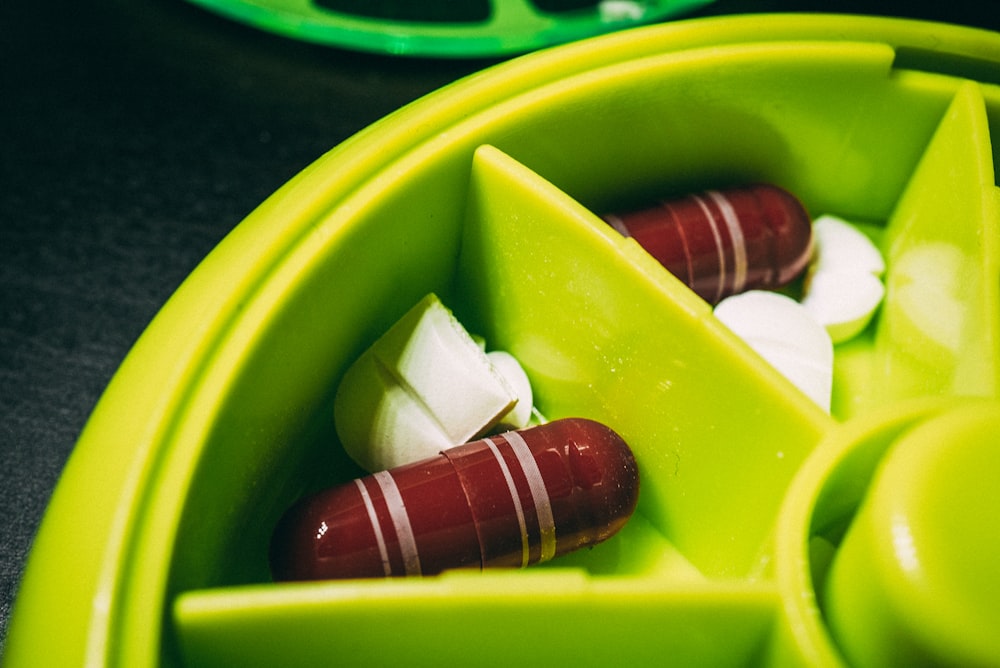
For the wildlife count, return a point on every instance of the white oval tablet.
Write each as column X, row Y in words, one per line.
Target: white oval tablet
column 840, row 246
column 423, row 386
column 780, row 330
column 843, row 288
column 507, row 366
column 843, row 301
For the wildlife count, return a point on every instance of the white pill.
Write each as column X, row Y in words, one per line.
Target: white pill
column 843, row 289
column 783, row 332
column 843, row 301
column 840, row 246
column 507, row 365
column 393, row 429
column 422, row 386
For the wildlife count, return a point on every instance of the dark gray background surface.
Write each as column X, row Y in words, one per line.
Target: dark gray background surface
column 135, row 135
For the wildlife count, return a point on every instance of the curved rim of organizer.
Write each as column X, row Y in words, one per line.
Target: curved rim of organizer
column 100, row 506
column 506, row 27
column 830, row 476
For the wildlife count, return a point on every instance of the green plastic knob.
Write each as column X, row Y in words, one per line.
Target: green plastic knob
column 916, row 580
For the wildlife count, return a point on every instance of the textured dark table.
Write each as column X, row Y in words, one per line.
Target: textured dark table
column 135, row 136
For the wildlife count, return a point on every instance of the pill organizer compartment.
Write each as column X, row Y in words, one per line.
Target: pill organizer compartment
column 492, row 205
column 604, row 332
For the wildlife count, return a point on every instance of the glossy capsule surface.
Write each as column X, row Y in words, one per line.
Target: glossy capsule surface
column 723, row 242
column 509, row 500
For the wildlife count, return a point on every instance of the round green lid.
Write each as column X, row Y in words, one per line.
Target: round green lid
column 916, row 577
column 471, row 28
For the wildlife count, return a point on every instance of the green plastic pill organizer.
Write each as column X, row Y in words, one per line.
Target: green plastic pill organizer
column 768, row 532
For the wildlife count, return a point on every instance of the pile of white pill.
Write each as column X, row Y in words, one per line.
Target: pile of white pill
column 841, row 292
column 427, row 384
column 424, row 386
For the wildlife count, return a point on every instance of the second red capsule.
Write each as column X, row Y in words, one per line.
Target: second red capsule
column 723, row 242
column 508, row 500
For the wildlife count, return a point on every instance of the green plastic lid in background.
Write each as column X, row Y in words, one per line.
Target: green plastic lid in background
column 469, row 28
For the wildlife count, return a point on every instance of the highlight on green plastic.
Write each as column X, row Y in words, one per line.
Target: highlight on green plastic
column 758, row 511
column 463, row 29
column 915, row 579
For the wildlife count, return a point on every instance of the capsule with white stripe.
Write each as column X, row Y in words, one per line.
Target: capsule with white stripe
column 509, row 500
column 724, row 242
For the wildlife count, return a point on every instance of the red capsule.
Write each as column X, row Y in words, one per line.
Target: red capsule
column 723, row 242
column 508, row 500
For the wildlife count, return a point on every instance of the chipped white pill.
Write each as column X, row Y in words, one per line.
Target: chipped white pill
column 424, row 386
column 839, row 246
column 844, row 302
column 780, row 330
column 843, row 288
column 507, row 365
